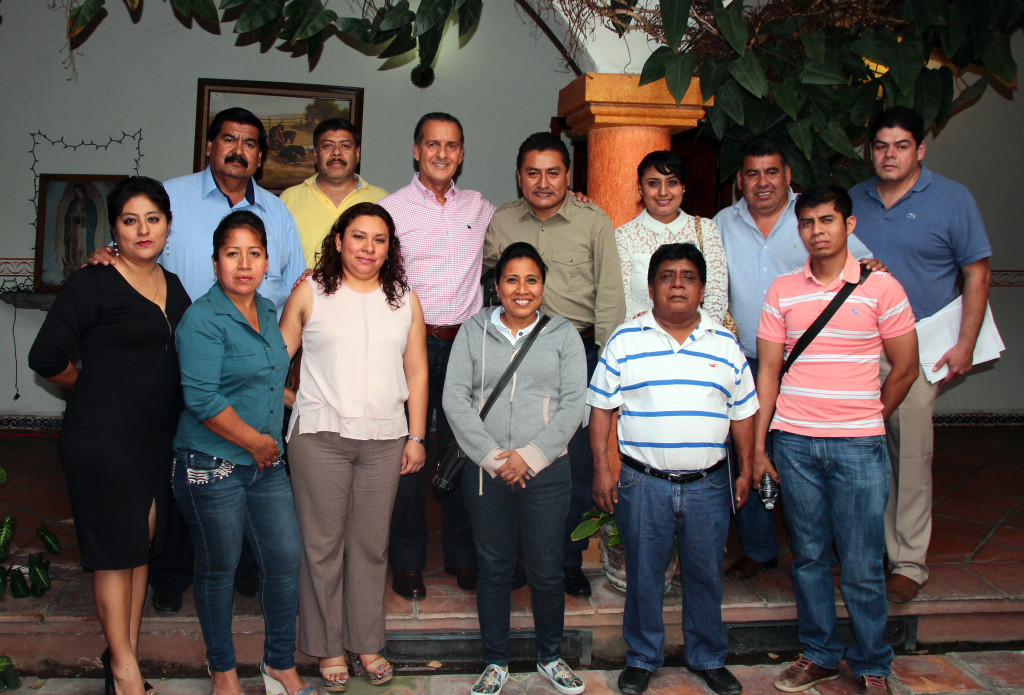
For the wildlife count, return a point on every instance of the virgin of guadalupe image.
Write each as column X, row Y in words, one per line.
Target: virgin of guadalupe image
column 76, row 227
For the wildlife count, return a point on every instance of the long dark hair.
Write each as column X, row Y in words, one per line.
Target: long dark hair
column 329, row 272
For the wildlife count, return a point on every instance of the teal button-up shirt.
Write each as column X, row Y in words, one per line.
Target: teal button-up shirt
column 224, row 362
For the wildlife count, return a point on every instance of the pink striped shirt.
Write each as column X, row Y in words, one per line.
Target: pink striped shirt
column 832, row 389
column 442, row 246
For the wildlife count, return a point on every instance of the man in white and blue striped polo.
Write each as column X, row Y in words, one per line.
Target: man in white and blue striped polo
column 681, row 385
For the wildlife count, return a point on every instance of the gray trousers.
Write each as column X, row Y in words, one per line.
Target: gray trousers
column 344, row 491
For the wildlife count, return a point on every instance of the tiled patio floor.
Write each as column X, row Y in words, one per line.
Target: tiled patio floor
column 975, row 594
column 974, row 673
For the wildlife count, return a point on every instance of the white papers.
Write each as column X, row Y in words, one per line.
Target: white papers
column 939, row 332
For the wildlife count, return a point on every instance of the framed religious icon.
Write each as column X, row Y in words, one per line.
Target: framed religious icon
column 71, row 222
column 289, row 113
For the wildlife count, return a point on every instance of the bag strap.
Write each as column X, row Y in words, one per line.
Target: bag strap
column 513, row 365
column 700, row 237
column 823, row 318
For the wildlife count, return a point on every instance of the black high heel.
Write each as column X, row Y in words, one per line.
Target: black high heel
column 108, row 673
column 108, row 676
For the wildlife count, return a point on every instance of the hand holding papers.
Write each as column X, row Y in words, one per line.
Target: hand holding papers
column 940, row 331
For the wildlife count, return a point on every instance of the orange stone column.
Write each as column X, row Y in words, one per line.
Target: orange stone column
column 623, row 122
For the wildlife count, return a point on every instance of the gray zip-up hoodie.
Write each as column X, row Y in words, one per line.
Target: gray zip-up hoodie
column 540, row 408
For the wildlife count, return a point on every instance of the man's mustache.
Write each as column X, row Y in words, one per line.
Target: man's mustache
column 237, row 159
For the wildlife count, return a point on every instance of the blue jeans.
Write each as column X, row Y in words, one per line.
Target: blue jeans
column 755, row 525
column 539, row 512
column 836, row 489
column 220, row 501
column 653, row 515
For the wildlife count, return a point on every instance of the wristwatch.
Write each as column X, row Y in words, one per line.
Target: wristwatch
column 415, row 439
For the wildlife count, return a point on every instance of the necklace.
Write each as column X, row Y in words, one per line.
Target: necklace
column 135, row 283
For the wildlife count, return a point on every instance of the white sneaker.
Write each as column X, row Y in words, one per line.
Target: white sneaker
column 490, row 681
column 562, row 677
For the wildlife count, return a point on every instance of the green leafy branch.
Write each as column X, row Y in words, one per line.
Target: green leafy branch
column 813, row 73
column 592, row 521
column 388, row 30
column 32, row 578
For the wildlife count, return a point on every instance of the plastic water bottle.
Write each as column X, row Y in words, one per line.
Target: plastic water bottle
column 768, row 490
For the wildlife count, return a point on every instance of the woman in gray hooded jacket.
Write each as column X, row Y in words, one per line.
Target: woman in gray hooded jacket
column 523, row 478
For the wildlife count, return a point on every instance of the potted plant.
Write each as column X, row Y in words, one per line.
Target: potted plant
column 613, row 558
column 37, row 581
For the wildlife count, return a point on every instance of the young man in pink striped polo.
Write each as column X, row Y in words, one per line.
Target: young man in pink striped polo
column 828, row 436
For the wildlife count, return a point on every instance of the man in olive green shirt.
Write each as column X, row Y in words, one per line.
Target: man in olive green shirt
column 584, row 284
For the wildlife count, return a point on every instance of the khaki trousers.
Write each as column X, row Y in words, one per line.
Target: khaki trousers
column 908, row 517
column 344, row 491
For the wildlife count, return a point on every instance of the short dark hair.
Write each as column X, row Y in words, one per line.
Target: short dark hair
column 677, row 252
column 541, row 142
column 234, row 220
column 762, row 146
column 899, row 117
column 519, row 249
column 134, row 186
column 417, row 134
column 336, row 123
column 237, row 114
column 664, row 162
column 822, row 195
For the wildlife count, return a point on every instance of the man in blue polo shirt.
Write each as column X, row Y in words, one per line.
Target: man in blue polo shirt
column 674, row 485
column 927, row 229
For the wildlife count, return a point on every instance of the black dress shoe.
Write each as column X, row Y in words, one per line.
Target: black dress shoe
column 719, row 680
column 167, row 602
column 409, row 583
column 465, row 577
column 633, row 680
column 248, row 586
column 576, row 583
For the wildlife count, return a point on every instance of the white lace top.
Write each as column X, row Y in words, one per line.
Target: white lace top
column 639, row 238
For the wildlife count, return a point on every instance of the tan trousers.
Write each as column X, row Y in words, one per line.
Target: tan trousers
column 344, row 491
column 908, row 517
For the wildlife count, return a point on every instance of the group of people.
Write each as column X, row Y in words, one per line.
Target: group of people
column 631, row 321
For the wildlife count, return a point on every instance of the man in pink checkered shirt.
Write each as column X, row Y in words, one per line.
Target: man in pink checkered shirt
column 441, row 230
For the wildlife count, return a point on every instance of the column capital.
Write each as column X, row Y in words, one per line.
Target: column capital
column 601, row 100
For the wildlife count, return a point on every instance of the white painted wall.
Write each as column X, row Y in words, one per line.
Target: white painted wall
column 503, row 84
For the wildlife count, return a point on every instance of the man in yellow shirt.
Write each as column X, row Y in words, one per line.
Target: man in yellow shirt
column 317, row 202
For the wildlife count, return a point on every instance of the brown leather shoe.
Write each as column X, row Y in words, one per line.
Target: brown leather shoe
column 747, row 567
column 874, row 685
column 409, row 584
column 900, row 589
column 465, row 577
column 804, row 674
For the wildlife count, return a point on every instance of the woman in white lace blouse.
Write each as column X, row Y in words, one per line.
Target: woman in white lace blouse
column 661, row 177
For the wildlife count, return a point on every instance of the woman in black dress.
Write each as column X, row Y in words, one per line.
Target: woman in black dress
column 115, row 445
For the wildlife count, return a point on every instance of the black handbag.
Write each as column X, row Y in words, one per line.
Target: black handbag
column 453, row 460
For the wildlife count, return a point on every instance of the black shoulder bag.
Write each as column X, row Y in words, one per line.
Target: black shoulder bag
column 825, row 316
column 453, row 460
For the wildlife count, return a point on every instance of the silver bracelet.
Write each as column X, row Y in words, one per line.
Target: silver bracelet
column 415, row 439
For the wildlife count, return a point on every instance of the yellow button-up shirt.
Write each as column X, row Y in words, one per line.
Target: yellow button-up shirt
column 315, row 213
column 577, row 243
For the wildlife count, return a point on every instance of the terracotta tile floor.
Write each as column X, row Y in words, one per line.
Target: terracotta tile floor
column 977, row 557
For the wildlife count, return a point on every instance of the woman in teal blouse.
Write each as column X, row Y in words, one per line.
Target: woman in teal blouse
column 228, row 475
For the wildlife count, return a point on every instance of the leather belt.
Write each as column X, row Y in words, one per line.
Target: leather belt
column 678, row 477
column 587, row 332
column 442, row 332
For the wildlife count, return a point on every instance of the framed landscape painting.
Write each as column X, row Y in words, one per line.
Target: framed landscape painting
column 71, row 222
column 289, row 112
